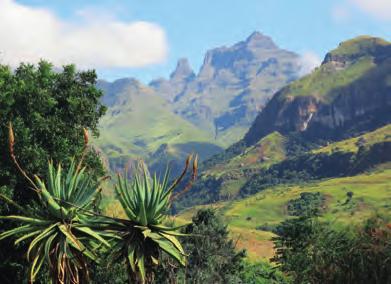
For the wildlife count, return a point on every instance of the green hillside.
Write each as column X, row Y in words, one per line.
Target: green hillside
column 141, row 124
column 342, row 66
column 267, row 151
column 344, row 97
column 352, row 145
column 252, row 219
column 249, row 173
column 360, row 45
column 326, row 78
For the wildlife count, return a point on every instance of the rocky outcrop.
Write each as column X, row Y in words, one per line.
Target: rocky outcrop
column 179, row 79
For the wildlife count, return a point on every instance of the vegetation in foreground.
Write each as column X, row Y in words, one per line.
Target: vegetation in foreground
column 64, row 230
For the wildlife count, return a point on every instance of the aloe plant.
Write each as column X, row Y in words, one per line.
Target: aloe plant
column 64, row 231
column 60, row 228
column 142, row 236
column 60, row 232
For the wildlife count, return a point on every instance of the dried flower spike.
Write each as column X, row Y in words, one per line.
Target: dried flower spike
column 85, row 132
column 11, row 138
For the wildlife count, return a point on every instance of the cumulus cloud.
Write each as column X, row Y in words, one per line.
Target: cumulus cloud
column 379, row 9
column 29, row 34
column 308, row 62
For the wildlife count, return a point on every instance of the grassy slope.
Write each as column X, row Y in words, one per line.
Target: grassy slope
column 359, row 44
column 359, row 52
column 142, row 125
column 351, row 145
column 324, row 79
column 372, row 193
column 268, row 151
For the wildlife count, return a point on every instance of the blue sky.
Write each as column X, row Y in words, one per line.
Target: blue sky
column 171, row 29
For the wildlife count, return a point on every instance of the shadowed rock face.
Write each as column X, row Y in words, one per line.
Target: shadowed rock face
column 362, row 104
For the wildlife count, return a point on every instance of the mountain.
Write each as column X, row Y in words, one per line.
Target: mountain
column 232, row 85
column 343, row 106
column 182, row 75
column 350, row 91
column 188, row 112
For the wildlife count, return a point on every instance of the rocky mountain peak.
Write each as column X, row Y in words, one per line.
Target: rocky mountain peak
column 258, row 40
column 182, row 71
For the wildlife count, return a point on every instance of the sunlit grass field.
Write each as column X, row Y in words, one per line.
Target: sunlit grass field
column 371, row 195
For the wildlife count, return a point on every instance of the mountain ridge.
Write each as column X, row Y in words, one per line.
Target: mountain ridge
column 329, row 105
column 219, row 102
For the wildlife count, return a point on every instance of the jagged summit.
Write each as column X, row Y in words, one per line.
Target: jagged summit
column 182, row 71
column 258, row 40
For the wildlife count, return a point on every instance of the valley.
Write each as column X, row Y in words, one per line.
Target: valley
column 323, row 140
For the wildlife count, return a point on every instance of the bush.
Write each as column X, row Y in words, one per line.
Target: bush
column 314, row 252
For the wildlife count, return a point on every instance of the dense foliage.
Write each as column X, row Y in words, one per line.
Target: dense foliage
column 309, row 203
column 49, row 109
column 315, row 252
column 312, row 166
column 214, row 258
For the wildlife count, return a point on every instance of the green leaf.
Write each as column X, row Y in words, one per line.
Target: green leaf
column 93, row 234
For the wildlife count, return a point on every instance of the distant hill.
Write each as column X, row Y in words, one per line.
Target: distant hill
column 204, row 112
column 141, row 124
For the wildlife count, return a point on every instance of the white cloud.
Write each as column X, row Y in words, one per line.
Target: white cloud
column 308, row 62
column 29, row 34
column 379, row 9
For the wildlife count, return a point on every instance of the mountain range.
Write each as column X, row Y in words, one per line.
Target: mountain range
column 349, row 95
column 200, row 112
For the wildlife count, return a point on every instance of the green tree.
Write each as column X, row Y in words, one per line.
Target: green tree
column 262, row 273
column 49, row 110
column 315, row 252
column 212, row 258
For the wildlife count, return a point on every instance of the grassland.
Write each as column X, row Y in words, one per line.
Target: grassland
column 269, row 150
column 361, row 44
column 355, row 58
column 352, row 145
column 371, row 194
column 326, row 78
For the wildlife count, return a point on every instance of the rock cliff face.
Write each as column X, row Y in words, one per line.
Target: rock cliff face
column 350, row 91
column 179, row 79
column 233, row 84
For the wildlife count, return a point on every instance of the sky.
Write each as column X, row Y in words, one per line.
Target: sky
column 145, row 38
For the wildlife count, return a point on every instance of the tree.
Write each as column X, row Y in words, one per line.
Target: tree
column 315, row 252
column 262, row 273
column 49, row 110
column 213, row 257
